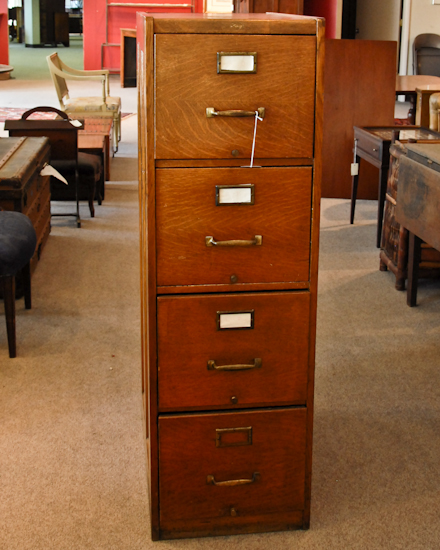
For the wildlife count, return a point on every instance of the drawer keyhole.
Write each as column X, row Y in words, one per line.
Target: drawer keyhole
column 234, row 400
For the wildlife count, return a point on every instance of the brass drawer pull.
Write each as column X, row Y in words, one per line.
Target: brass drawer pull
column 256, row 365
column 256, row 241
column 210, row 480
column 211, row 112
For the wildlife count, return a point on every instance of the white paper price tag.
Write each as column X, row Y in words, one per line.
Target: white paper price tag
column 50, row 171
column 354, row 168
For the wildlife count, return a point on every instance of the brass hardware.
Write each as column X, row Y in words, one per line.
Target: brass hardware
column 235, row 152
column 256, row 241
column 210, row 480
column 230, row 54
column 429, row 161
column 374, row 150
column 234, row 512
column 233, row 437
column 234, row 278
column 218, row 189
column 220, row 313
column 234, row 400
column 257, row 364
column 211, row 112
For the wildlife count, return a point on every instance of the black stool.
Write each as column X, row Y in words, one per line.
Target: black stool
column 17, row 246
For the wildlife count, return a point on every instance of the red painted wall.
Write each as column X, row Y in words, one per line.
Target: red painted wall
column 4, row 33
column 326, row 9
column 94, row 28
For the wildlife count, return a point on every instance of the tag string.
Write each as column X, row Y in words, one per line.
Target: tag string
column 257, row 118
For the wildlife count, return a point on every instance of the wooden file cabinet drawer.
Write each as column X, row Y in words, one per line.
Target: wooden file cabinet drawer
column 187, row 215
column 202, row 366
column 265, row 449
column 187, row 83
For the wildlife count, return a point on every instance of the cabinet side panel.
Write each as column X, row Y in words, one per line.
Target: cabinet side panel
column 314, row 253
column 145, row 46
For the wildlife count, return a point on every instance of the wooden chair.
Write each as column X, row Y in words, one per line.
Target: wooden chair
column 78, row 107
column 83, row 171
column 17, row 246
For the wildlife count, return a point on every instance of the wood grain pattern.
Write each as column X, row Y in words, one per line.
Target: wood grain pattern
column 359, row 85
column 188, row 454
column 187, row 83
column 278, row 280
column 148, row 254
column 186, row 213
column 242, row 23
column 188, row 339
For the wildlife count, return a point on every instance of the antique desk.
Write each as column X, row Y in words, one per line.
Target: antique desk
column 372, row 143
column 22, row 188
column 418, row 205
column 229, row 254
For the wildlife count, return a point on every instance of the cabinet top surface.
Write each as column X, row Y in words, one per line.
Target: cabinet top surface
column 258, row 23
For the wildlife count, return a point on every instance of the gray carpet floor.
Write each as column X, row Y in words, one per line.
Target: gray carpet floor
column 72, row 455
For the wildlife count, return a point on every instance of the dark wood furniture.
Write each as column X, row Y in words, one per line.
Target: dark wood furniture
column 418, row 205
column 82, row 171
column 359, row 84
column 128, row 58
column 274, row 6
column 394, row 244
column 229, row 259
column 373, row 145
column 22, row 187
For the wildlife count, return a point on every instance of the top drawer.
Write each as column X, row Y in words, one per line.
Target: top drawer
column 187, row 83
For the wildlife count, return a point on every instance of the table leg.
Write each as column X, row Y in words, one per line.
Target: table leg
column 414, row 248
column 354, row 188
column 383, row 179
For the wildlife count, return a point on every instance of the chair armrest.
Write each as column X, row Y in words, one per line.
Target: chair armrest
column 87, row 74
column 69, row 76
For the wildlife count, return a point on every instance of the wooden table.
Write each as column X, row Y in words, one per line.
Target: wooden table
column 372, row 143
column 418, row 205
column 409, row 84
column 100, row 126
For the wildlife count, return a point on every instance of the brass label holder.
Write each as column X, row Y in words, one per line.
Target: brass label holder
column 242, row 194
column 236, row 62
column 233, row 437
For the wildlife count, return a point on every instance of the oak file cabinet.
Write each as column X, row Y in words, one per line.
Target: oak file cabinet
column 229, row 258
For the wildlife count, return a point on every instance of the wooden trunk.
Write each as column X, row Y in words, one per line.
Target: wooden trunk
column 229, row 258
column 22, row 188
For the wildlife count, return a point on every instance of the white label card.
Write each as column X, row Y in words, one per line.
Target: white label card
column 237, row 63
column 235, row 320
column 354, row 169
column 235, row 195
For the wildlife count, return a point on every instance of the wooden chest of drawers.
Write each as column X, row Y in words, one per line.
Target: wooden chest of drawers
column 22, row 188
column 229, row 259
